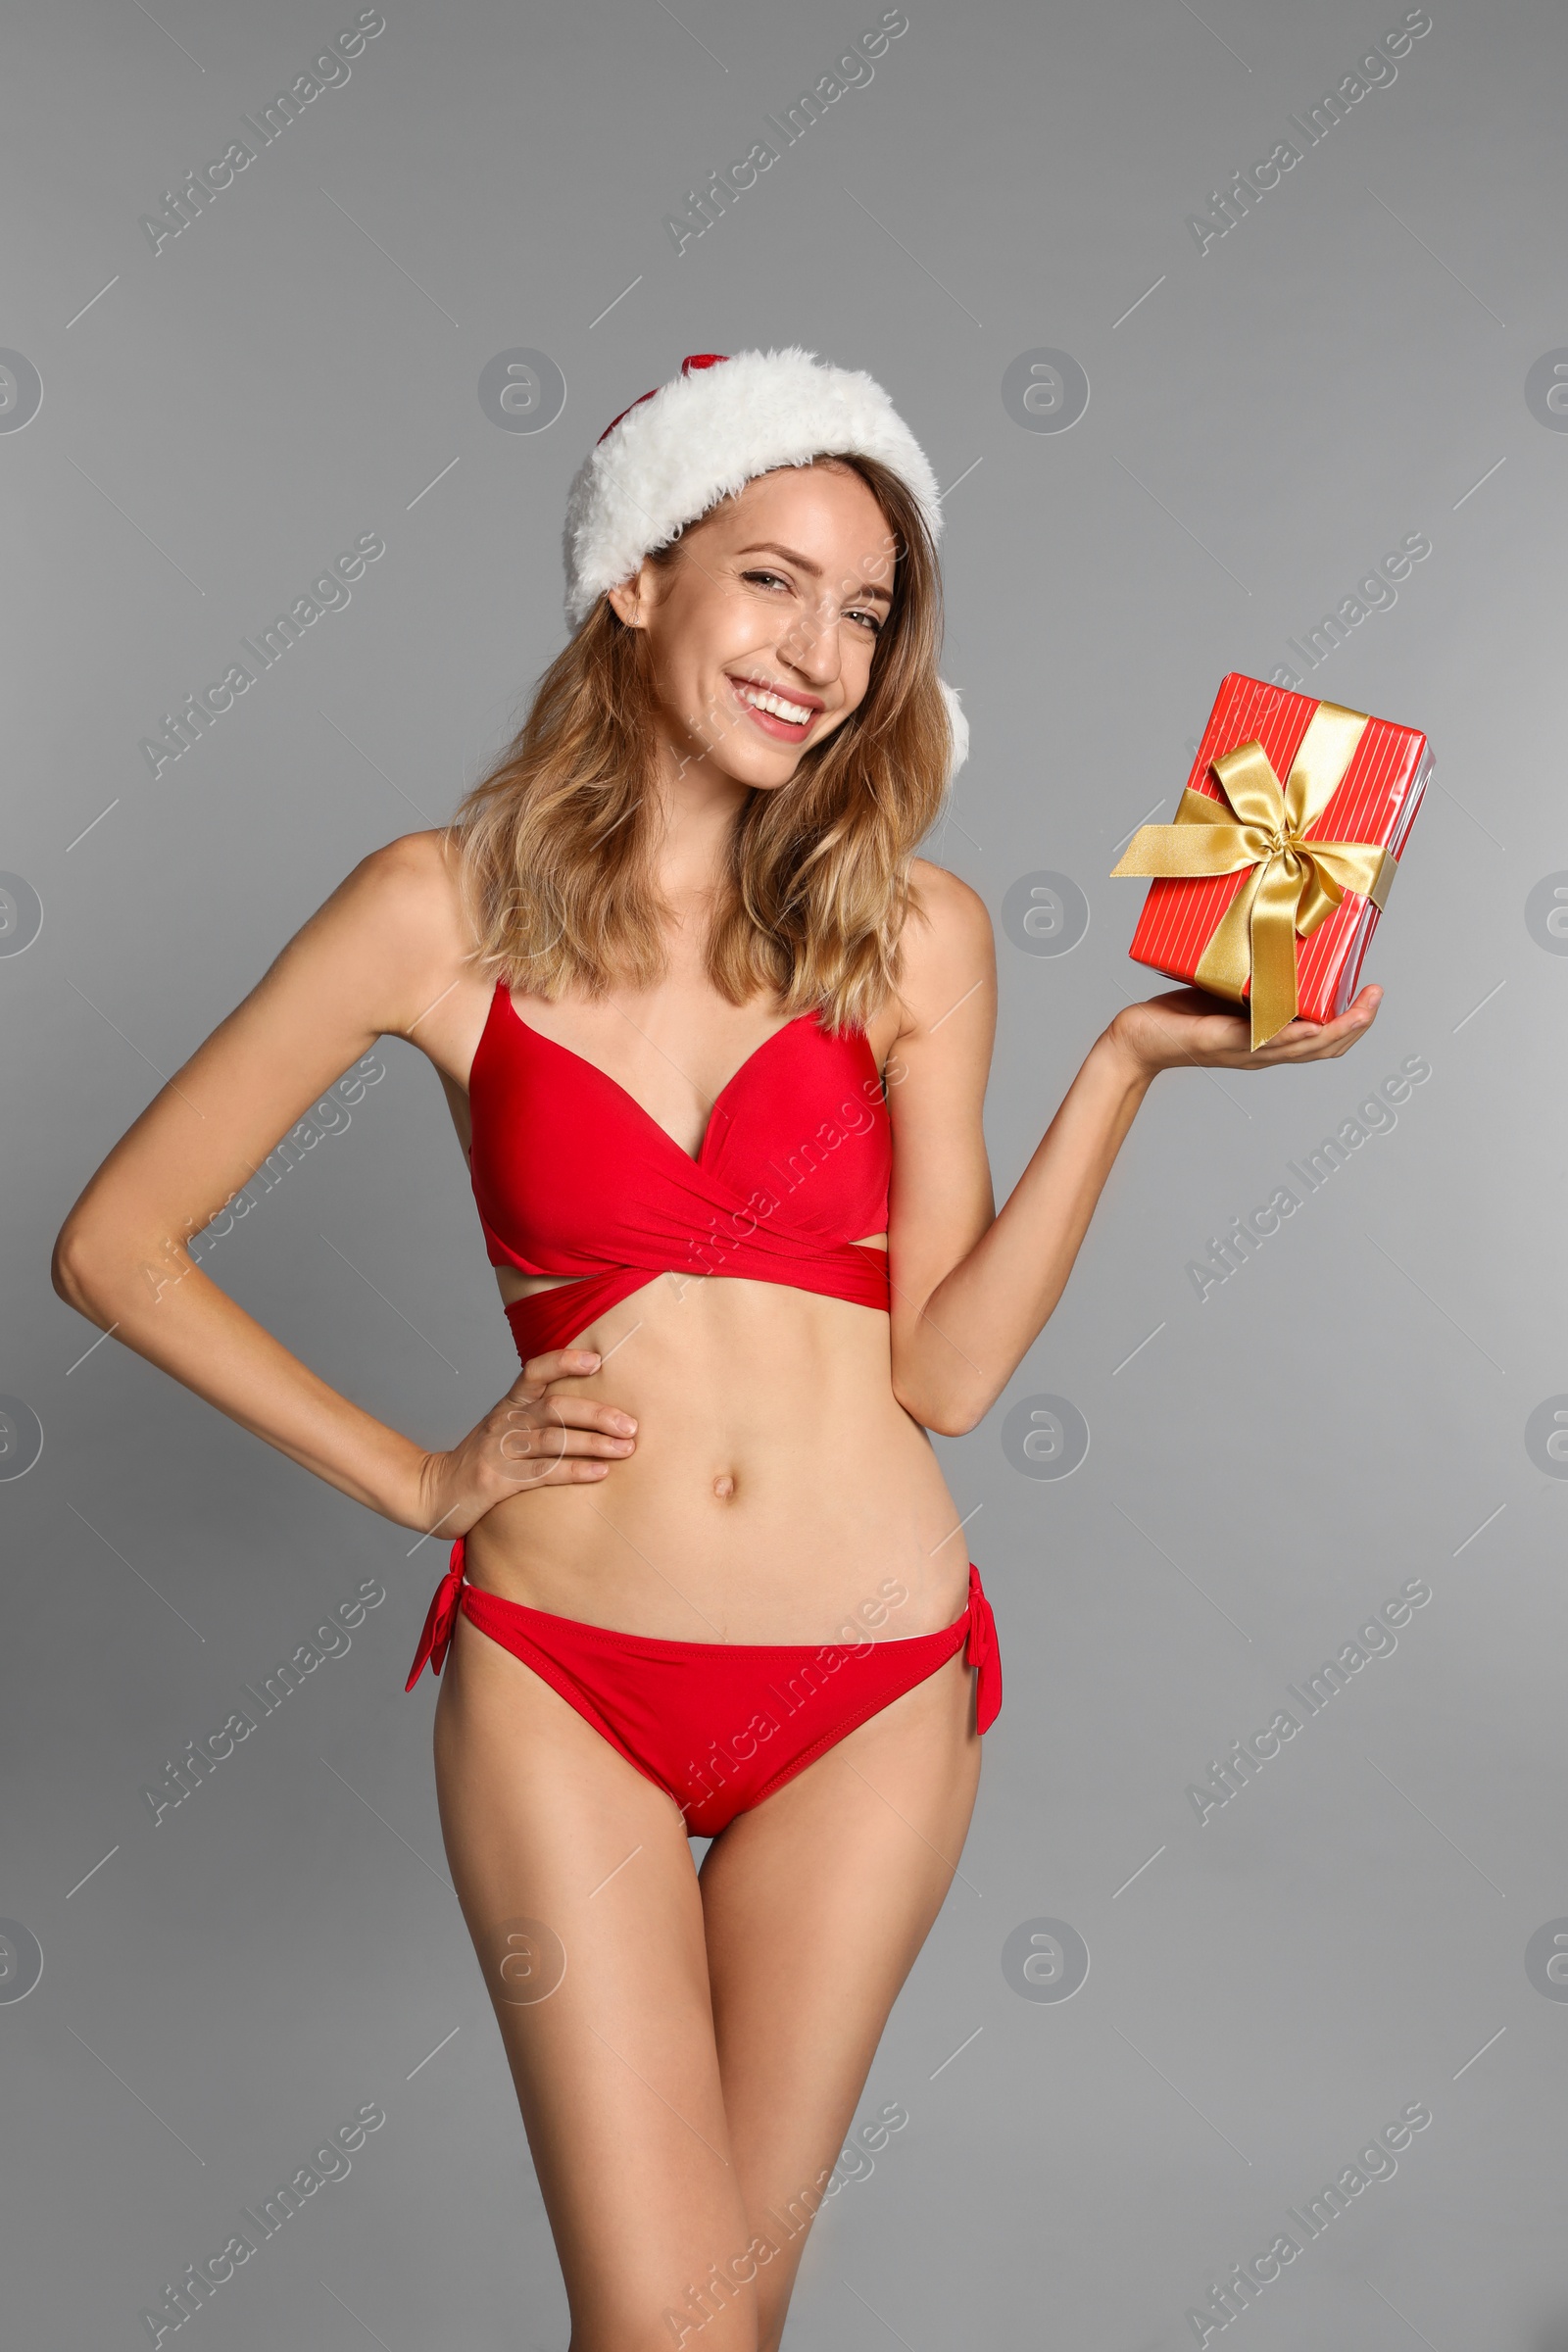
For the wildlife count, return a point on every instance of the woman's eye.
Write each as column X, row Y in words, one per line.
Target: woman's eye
column 872, row 620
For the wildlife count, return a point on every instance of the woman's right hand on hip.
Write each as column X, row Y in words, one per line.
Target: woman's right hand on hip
column 530, row 1439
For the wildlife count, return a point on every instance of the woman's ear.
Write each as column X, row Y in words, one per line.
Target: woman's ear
column 626, row 599
column 633, row 598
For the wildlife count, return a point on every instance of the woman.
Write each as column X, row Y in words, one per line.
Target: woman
column 707, row 1578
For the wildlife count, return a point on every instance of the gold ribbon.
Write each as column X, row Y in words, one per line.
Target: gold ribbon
column 1293, row 883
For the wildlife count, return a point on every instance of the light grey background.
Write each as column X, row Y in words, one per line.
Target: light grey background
column 1346, row 367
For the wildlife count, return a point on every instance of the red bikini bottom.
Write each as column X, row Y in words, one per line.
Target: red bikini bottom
column 718, row 1725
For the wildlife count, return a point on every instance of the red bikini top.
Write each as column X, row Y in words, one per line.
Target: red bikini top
column 573, row 1177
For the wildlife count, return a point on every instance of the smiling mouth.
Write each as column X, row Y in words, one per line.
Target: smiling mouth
column 777, row 713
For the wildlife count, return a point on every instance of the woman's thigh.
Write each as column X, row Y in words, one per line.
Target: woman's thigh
column 816, row 1904
column 577, row 1881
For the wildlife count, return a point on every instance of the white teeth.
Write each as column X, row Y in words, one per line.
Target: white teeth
column 762, row 700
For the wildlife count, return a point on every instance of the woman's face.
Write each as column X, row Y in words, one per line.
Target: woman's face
column 779, row 593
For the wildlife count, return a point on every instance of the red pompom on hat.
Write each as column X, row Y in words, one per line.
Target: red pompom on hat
column 675, row 451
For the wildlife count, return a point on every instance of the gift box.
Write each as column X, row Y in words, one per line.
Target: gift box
column 1268, row 886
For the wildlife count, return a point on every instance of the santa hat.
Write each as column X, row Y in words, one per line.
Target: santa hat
column 665, row 460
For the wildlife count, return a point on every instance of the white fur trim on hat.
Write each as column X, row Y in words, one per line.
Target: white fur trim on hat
column 703, row 437
column 959, row 727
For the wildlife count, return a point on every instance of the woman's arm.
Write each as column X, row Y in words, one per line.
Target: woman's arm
column 973, row 1289
column 385, row 947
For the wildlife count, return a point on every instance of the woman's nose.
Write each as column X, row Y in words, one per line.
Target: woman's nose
column 812, row 644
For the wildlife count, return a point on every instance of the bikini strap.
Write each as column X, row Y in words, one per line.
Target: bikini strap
column 440, row 1619
column 981, row 1650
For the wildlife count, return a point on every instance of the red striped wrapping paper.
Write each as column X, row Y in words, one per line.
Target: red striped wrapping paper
column 1375, row 800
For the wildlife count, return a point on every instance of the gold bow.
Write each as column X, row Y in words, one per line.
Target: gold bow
column 1293, row 883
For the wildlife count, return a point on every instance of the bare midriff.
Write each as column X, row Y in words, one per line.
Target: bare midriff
column 778, row 1492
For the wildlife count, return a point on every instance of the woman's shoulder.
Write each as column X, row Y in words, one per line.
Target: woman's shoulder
column 950, row 901
column 948, row 945
column 947, row 919
column 408, row 888
column 398, row 918
column 420, row 865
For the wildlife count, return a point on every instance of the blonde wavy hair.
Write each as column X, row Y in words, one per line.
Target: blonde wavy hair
column 555, row 843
